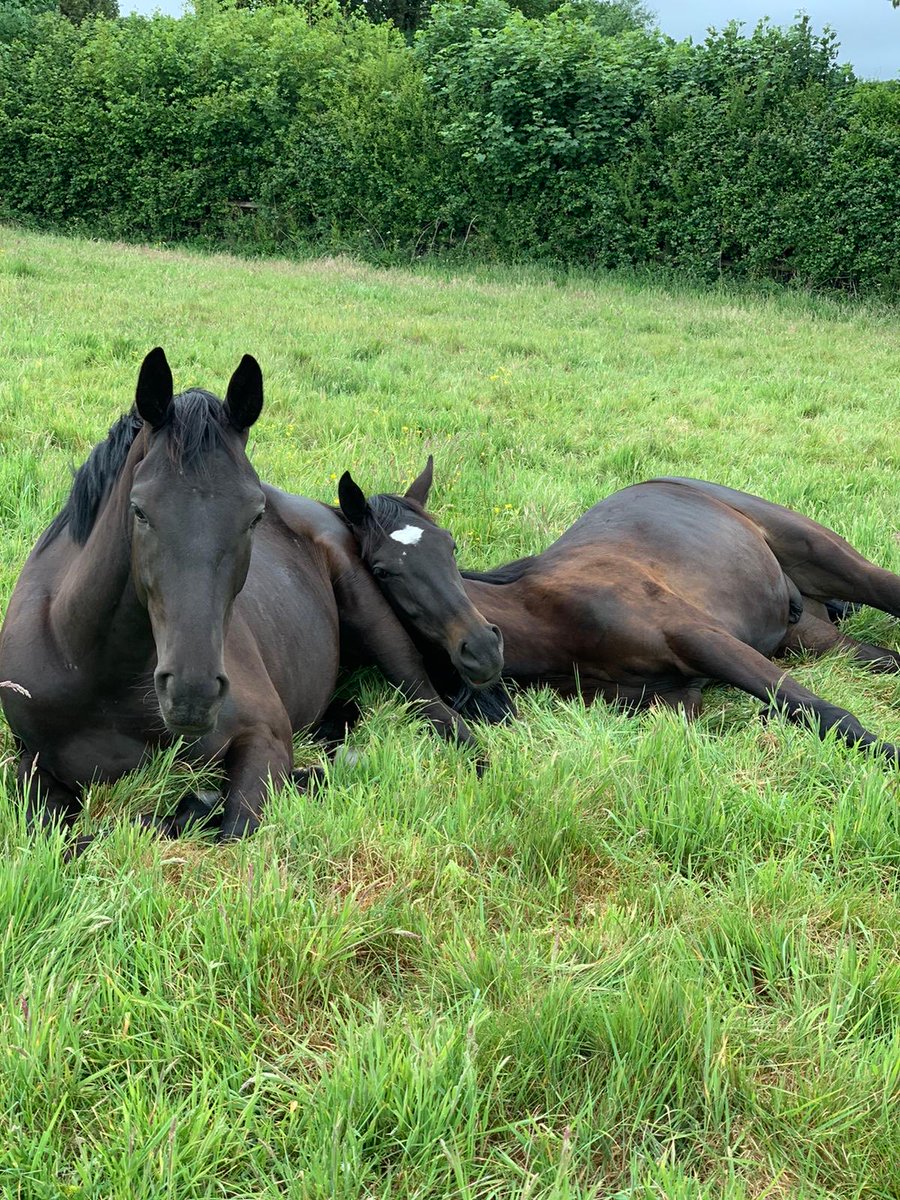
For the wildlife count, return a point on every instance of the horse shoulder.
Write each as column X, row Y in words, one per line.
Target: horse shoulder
column 363, row 613
column 319, row 526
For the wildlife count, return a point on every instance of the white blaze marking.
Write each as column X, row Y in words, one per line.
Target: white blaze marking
column 409, row 535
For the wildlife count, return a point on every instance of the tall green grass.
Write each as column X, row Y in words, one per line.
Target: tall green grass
column 638, row 957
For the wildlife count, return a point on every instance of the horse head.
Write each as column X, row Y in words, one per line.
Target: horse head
column 194, row 503
column 414, row 561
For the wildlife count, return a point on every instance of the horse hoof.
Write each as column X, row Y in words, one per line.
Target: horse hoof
column 235, row 832
column 890, row 752
column 196, row 810
column 164, row 827
column 837, row 610
column 304, row 777
column 481, row 765
column 77, row 847
column 337, row 721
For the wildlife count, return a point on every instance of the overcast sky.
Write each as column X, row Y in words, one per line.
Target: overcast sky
column 868, row 30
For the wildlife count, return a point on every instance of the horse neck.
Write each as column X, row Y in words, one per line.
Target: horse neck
column 95, row 592
column 502, row 604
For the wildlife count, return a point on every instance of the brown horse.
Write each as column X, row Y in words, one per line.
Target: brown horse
column 175, row 596
column 654, row 592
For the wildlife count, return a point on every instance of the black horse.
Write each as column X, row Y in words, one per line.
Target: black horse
column 175, row 596
column 654, row 592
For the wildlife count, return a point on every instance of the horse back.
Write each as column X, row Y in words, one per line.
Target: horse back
column 809, row 553
column 661, row 540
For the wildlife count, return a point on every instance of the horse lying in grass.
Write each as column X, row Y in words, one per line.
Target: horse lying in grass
column 653, row 593
column 175, row 596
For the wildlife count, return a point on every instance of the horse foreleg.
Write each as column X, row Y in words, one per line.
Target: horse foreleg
column 370, row 626
column 255, row 759
column 416, row 686
column 812, row 635
column 47, row 801
column 717, row 655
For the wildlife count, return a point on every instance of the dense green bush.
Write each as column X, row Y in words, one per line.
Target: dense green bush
column 752, row 155
column 734, row 157
column 859, row 223
column 542, row 118
column 579, row 136
column 17, row 16
column 409, row 15
column 160, row 127
column 18, row 19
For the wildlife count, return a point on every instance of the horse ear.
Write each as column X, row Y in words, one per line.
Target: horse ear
column 244, row 398
column 420, row 487
column 353, row 502
column 155, row 388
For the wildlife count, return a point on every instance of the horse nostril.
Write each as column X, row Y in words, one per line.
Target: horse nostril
column 162, row 681
column 496, row 632
column 222, row 681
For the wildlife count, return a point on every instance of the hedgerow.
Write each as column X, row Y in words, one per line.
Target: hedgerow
column 529, row 137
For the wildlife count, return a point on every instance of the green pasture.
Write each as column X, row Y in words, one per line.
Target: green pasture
column 638, row 957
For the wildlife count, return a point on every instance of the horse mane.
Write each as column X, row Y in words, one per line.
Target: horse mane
column 510, row 572
column 92, row 481
column 196, row 423
column 491, row 705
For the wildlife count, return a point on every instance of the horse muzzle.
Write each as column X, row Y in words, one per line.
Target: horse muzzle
column 479, row 656
column 189, row 706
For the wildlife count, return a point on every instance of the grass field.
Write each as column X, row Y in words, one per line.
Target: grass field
column 636, row 958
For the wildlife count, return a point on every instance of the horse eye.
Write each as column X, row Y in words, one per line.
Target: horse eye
column 256, row 520
column 139, row 514
column 379, row 572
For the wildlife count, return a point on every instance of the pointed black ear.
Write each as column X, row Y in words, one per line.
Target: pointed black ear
column 244, row 398
column 354, row 504
column 155, row 388
column 420, row 487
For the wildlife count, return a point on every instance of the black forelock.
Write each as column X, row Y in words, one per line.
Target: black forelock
column 385, row 514
column 196, row 423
